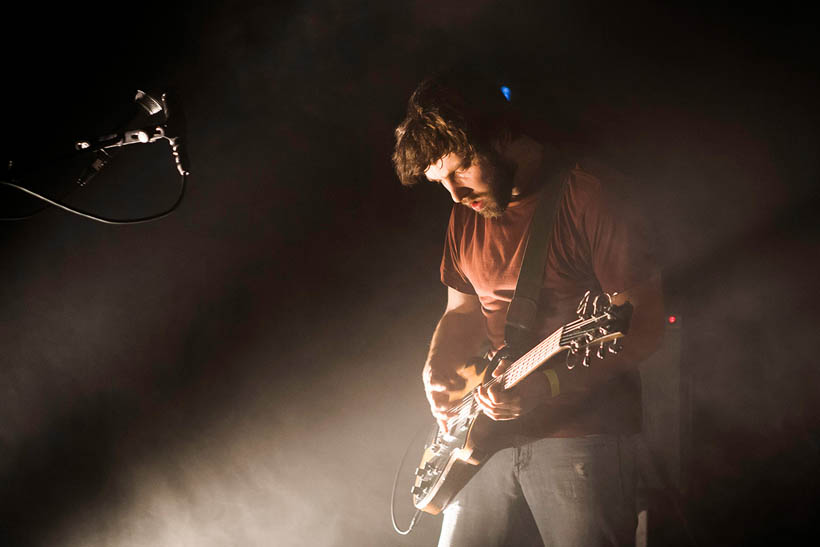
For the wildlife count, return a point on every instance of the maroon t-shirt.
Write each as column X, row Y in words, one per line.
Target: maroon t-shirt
column 596, row 245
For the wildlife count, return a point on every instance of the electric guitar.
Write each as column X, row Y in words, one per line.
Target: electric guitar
column 451, row 459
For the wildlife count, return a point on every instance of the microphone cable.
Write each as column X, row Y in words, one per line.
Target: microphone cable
column 97, row 218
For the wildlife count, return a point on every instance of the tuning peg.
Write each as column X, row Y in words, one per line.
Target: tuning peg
column 570, row 363
column 601, row 353
column 601, row 304
column 586, row 359
column 583, row 310
column 615, row 347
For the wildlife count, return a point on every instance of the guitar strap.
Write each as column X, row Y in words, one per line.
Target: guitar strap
column 521, row 314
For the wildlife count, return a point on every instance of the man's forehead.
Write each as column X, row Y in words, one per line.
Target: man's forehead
column 443, row 166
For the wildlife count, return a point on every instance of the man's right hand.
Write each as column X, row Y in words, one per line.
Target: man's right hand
column 440, row 384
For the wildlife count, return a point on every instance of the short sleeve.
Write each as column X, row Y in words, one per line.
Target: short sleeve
column 452, row 274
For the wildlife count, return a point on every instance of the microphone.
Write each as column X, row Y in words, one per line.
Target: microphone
column 149, row 107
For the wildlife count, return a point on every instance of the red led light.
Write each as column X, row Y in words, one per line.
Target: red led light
column 673, row 319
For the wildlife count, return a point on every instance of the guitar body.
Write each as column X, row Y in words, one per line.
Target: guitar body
column 451, row 460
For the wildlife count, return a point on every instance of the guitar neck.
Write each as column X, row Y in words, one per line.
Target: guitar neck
column 545, row 350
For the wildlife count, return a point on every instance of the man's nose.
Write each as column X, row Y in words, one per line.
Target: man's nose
column 458, row 193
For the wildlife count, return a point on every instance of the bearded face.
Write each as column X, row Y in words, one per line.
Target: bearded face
column 484, row 184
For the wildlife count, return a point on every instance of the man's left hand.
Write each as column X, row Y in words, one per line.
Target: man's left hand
column 500, row 404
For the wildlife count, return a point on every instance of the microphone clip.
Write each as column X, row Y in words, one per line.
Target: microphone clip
column 144, row 135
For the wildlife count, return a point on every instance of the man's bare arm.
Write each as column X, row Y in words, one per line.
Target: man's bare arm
column 458, row 337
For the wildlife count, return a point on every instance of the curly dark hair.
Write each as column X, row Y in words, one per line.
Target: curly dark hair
column 460, row 111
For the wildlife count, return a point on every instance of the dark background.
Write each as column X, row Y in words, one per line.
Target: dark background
column 246, row 371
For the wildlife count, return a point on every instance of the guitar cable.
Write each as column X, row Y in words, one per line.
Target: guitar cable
column 418, row 512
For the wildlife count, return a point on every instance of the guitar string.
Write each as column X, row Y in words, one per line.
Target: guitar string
column 529, row 357
column 564, row 334
column 468, row 400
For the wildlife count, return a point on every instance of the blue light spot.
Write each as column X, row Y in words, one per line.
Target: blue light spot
column 506, row 92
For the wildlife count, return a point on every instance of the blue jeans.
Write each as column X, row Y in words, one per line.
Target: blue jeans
column 555, row 492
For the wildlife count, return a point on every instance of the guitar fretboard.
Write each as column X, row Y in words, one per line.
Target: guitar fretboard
column 531, row 360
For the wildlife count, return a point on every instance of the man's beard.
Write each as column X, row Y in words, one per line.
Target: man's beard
column 499, row 174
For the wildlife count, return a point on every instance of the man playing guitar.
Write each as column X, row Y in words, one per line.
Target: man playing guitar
column 568, row 475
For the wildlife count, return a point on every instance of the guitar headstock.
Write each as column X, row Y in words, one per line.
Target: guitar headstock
column 600, row 323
